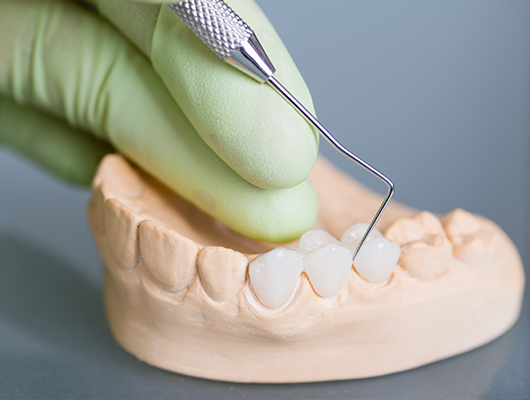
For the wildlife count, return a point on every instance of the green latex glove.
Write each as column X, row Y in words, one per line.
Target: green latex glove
column 228, row 144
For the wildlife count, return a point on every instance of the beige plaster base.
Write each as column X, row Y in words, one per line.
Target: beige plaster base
column 177, row 295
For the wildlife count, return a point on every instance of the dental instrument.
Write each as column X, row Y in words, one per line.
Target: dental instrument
column 234, row 42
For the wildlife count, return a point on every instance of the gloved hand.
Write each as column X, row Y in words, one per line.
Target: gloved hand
column 228, row 144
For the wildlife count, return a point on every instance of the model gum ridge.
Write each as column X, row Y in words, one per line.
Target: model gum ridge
column 184, row 293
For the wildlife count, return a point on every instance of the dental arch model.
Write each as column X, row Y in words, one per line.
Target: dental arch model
column 184, row 293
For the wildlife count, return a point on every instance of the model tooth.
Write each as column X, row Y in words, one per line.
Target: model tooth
column 96, row 208
column 274, row 276
column 354, row 234
column 222, row 272
column 376, row 260
column 313, row 240
column 427, row 260
column 407, row 230
column 121, row 227
column 123, row 176
column 474, row 243
column 328, row 269
column 169, row 258
column 425, row 250
column 461, row 225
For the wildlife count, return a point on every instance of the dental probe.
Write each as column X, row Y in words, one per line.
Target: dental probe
column 228, row 36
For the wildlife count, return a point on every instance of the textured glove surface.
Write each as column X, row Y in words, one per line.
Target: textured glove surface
column 65, row 60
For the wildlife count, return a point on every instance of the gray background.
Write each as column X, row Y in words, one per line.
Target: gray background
column 433, row 93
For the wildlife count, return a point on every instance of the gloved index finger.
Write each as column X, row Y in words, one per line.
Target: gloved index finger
column 246, row 123
column 62, row 58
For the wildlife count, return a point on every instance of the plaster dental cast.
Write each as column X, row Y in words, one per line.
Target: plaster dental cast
column 193, row 282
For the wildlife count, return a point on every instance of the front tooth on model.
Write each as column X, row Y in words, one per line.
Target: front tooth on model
column 274, row 276
column 377, row 259
column 314, row 240
column 121, row 227
column 222, row 271
column 170, row 259
column 354, row 234
column 328, row 269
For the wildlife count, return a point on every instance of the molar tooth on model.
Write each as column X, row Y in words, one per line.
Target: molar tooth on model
column 222, row 272
column 274, row 276
column 425, row 250
column 474, row 242
column 328, row 269
column 129, row 185
column 169, row 257
column 121, row 228
column 408, row 230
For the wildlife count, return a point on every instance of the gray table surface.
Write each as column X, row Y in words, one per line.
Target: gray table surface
column 435, row 94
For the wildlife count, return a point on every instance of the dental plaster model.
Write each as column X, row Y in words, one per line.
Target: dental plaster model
column 181, row 294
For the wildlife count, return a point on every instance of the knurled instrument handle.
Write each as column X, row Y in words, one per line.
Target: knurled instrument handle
column 226, row 34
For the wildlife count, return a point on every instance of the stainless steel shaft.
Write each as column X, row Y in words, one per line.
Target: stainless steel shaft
column 228, row 36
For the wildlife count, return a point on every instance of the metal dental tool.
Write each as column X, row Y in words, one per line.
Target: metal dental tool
column 228, row 36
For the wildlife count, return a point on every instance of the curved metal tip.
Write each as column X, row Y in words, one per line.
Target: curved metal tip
column 339, row 147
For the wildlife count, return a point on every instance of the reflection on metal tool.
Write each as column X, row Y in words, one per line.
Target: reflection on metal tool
column 228, row 36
